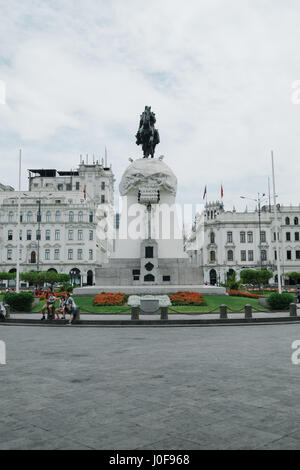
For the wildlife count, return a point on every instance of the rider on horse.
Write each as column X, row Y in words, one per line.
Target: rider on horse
column 147, row 135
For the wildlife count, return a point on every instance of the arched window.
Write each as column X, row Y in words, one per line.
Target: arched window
column 71, row 216
column 149, row 278
column 229, row 255
column 33, row 257
column 48, row 216
column 212, row 237
column 57, row 216
column 91, row 217
column 10, row 217
column 80, row 216
column 29, row 216
column 296, row 221
column 287, row 221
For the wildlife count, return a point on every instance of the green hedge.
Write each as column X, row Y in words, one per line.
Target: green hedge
column 280, row 301
column 21, row 302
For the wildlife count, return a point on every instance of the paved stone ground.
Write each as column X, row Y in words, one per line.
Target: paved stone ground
column 150, row 388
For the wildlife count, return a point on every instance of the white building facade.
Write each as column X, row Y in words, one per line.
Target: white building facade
column 58, row 223
column 223, row 242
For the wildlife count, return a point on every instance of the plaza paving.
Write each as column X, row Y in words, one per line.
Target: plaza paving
column 150, row 388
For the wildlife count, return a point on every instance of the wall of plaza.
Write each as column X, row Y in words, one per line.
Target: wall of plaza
column 225, row 241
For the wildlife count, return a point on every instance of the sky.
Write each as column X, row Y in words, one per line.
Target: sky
column 221, row 76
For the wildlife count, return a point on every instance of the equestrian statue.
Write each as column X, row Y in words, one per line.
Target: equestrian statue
column 147, row 135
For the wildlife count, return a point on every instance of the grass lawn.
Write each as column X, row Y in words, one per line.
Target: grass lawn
column 212, row 303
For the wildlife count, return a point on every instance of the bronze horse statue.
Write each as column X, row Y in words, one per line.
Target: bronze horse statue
column 147, row 135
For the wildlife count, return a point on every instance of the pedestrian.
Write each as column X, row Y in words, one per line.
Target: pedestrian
column 298, row 294
column 71, row 308
column 61, row 308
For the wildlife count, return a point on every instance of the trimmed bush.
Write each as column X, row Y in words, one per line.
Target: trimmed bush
column 278, row 301
column 21, row 302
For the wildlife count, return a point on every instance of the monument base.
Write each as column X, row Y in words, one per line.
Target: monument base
column 153, row 289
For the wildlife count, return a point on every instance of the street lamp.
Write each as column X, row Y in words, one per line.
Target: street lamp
column 258, row 200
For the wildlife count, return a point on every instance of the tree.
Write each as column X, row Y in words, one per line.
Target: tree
column 256, row 276
column 42, row 277
column 7, row 276
column 293, row 276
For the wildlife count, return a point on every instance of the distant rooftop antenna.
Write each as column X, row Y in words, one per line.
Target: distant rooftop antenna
column 93, row 159
column 102, row 161
column 87, row 158
column 80, row 158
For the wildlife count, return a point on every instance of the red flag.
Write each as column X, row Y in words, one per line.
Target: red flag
column 221, row 191
column 84, row 192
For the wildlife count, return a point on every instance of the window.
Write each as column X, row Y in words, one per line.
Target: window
column 166, row 278
column 10, row 217
column 212, row 256
column 262, row 237
column 77, row 185
column 90, row 254
column 80, row 216
column 102, row 199
column 71, row 216
column 20, row 234
column 149, row 252
column 243, row 255
column 70, row 235
column 230, row 255
column 21, row 217
column 242, row 237
column 103, row 186
column 47, row 254
column 56, row 254
column 263, row 255
column 60, row 187
column 296, row 221
column 91, row 217
column 149, row 278
column 250, row 237
column 288, row 254
column 136, row 274
column 70, row 254
column 91, row 235
column 57, row 234
column 29, row 235
column 68, row 187
column 229, row 237
column 296, row 236
column 297, row 254
column 57, row 216
column 79, row 254
column 288, row 236
column 212, row 237
column 29, row 216
column 38, row 235
column 80, row 234
column 287, row 221
column 47, row 236
column 250, row 255
column 39, row 216
column 10, row 235
column 9, row 254
column 275, row 255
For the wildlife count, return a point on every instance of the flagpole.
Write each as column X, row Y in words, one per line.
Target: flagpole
column 18, row 227
column 276, row 226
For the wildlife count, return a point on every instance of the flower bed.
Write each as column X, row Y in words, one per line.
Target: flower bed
column 239, row 293
column 187, row 298
column 108, row 298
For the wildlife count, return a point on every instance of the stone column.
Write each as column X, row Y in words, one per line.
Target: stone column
column 293, row 310
column 248, row 311
column 223, row 311
column 135, row 313
column 164, row 313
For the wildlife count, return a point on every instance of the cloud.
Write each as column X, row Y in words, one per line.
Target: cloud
column 218, row 75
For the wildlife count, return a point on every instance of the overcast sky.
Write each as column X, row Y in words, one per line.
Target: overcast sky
column 217, row 73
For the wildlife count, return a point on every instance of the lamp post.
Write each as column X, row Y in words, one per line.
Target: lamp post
column 258, row 200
